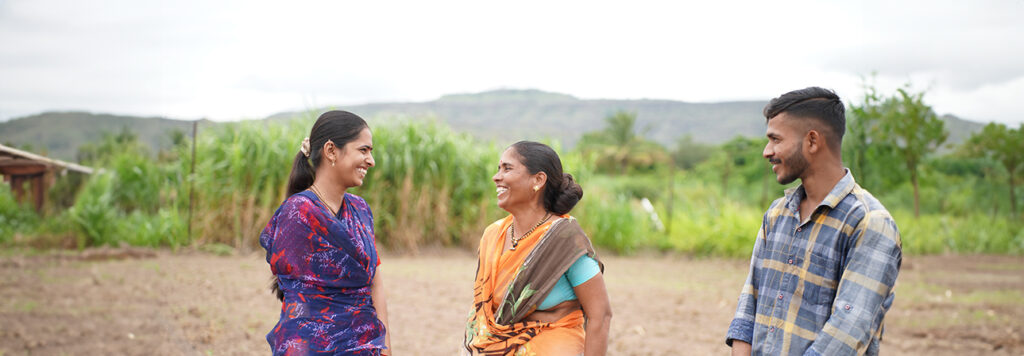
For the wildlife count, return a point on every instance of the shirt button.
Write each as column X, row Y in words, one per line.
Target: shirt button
column 847, row 307
column 771, row 329
column 790, row 261
column 780, row 298
column 799, row 229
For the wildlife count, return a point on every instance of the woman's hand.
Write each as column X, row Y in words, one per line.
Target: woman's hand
column 380, row 303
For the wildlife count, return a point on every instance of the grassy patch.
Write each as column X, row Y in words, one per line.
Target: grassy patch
column 151, row 265
column 1008, row 266
column 993, row 297
column 218, row 249
column 26, row 306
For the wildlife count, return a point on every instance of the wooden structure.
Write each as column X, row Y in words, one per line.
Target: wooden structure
column 19, row 167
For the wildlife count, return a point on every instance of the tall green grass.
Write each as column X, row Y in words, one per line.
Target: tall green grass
column 724, row 228
column 940, row 234
column 614, row 222
column 432, row 186
column 240, row 175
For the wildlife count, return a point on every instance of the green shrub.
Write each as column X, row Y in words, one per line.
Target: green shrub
column 94, row 217
column 935, row 234
column 136, row 183
column 14, row 217
column 165, row 228
column 719, row 228
column 615, row 222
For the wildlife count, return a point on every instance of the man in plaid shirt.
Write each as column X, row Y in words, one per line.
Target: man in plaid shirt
column 827, row 254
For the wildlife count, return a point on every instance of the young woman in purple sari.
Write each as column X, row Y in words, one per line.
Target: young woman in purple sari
column 321, row 249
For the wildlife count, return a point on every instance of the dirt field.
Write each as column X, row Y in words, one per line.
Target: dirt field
column 145, row 302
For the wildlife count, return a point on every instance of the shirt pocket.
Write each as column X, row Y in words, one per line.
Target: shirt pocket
column 823, row 276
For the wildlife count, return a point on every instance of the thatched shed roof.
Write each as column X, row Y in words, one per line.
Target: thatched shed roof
column 17, row 162
column 19, row 167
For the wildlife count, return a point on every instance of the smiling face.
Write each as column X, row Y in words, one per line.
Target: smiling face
column 354, row 160
column 514, row 183
column 785, row 148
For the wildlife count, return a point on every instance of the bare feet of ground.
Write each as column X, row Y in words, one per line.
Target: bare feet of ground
column 155, row 302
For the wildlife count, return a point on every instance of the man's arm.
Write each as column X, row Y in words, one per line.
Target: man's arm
column 741, row 330
column 864, row 292
column 740, row 348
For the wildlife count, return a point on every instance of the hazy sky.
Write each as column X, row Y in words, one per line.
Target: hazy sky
column 248, row 59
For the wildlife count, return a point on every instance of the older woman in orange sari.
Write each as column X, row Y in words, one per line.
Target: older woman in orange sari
column 539, row 288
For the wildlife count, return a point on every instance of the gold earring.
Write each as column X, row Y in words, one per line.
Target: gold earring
column 332, row 163
column 536, row 188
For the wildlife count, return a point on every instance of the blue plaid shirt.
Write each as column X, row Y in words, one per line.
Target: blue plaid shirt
column 822, row 286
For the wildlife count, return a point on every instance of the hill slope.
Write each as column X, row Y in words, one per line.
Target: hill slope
column 511, row 115
column 59, row 134
column 505, row 116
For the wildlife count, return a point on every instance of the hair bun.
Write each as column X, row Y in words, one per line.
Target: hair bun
column 569, row 194
column 567, row 181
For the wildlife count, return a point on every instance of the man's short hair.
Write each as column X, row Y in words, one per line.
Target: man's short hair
column 815, row 103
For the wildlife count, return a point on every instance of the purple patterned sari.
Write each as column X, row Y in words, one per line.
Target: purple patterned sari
column 325, row 265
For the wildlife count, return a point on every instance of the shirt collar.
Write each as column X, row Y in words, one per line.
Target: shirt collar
column 842, row 188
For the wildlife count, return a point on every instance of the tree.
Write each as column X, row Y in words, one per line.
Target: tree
column 740, row 157
column 619, row 147
column 1004, row 145
column 911, row 126
column 112, row 144
column 688, row 153
column 859, row 127
column 872, row 160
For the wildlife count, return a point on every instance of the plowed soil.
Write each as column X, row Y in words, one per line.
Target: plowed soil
column 158, row 302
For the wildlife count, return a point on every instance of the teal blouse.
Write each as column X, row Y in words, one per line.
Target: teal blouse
column 581, row 271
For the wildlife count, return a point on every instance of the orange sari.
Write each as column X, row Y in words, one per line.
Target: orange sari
column 497, row 270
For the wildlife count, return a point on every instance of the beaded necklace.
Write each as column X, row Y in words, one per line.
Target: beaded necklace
column 512, row 230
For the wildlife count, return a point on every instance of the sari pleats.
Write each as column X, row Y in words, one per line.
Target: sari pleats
column 495, row 325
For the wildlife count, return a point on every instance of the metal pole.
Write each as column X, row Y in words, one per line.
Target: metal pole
column 191, row 178
column 671, row 194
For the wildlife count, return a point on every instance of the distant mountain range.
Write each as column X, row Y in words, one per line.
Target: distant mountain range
column 505, row 116
column 59, row 134
column 511, row 115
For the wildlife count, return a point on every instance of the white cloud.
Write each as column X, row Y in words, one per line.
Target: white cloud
column 999, row 102
column 236, row 59
column 963, row 45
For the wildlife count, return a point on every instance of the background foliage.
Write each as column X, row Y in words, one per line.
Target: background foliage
column 432, row 185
